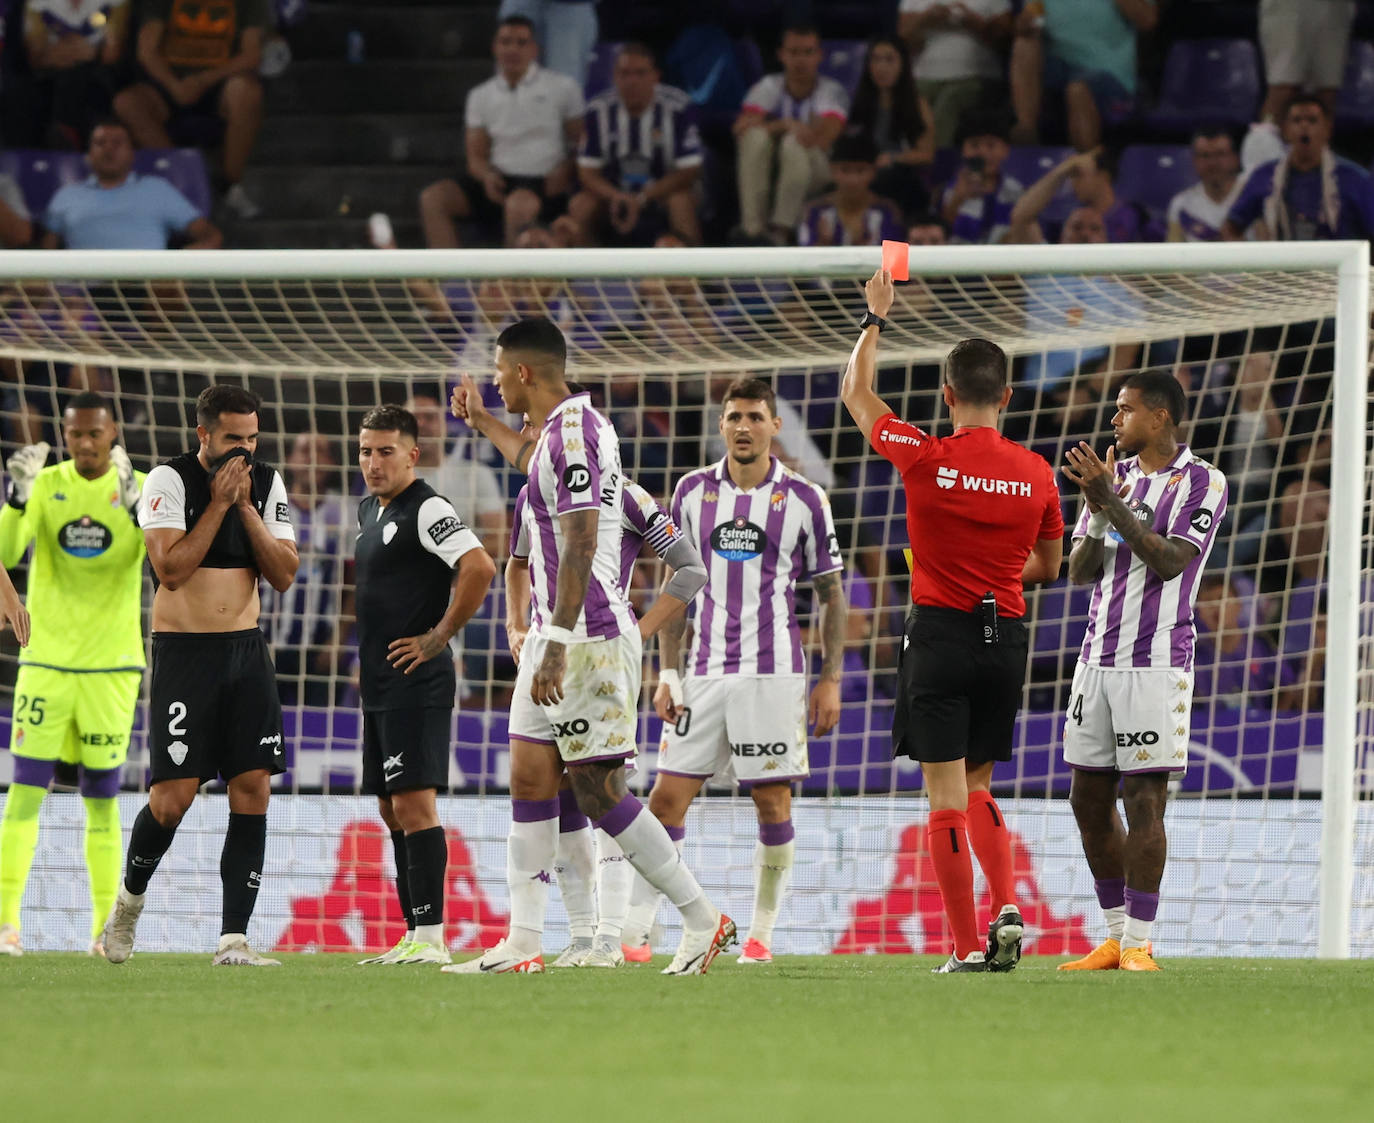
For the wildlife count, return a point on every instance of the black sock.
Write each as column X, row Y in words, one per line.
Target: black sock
column 398, row 847
column 148, row 841
column 427, row 856
column 240, row 869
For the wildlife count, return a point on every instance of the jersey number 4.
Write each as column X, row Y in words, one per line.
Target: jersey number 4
column 1077, row 713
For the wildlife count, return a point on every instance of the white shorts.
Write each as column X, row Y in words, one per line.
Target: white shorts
column 756, row 724
column 1129, row 720
column 1304, row 43
column 598, row 718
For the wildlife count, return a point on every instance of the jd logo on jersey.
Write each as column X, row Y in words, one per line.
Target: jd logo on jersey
column 577, row 478
column 738, row 540
column 84, row 538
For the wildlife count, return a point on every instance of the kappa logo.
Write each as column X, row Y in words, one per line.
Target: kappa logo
column 946, row 477
column 388, row 533
column 1180, row 732
column 177, row 750
column 573, row 444
column 572, row 421
column 615, row 740
column 1180, row 709
column 1143, row 755
column 606, row 690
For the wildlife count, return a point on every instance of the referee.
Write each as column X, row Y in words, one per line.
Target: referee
column 421, row 574
column 983, row 520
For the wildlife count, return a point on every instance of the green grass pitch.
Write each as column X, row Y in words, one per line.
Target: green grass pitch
column 166, row 1038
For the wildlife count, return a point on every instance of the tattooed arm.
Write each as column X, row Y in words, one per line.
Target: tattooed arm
column 825, row 698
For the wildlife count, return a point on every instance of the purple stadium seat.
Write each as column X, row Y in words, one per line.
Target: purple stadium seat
column 40, row 173
column 600, row 69
column 1152, row 174
column 1059, row 613
column 1208, row 80
column 1027, row 164
column 183, row 168
column 1355, row 107
column 844, row 61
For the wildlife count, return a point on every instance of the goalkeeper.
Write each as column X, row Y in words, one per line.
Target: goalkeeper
column 79, row 676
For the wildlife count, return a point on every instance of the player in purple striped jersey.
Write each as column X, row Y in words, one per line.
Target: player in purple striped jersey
column 742, row 703
column 596, row 927
column 577, row 691
column 1142, row 541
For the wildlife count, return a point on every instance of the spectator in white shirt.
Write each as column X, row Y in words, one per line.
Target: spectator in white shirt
column 567, row 30
column 960, row 55
column 792, row 119
column 1198, row 213
column 523, row 125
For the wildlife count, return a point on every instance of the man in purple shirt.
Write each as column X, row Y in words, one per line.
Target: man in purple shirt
column 851, row 215
column 1310, row 194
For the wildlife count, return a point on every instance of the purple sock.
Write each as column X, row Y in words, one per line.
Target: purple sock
column 1140, row 905
column 677, row 834
column 620, row 816
column 533, row 810
column 570, row 817
column 776, row 834
column 1111, row 892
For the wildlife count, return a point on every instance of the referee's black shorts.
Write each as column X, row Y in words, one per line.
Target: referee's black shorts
column 957, row 697
column 406, row 750
column 212, row 706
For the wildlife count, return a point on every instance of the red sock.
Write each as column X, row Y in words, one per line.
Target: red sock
column 991, row 840
column 947, row 837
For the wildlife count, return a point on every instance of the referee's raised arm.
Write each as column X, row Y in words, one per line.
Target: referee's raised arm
column 857, row 392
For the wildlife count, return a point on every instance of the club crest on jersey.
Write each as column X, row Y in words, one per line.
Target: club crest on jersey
column 779, row 498
column 738, row 540
column 114, row 499
column 85, row 538
column 1174, row 481
column 388, row 533
column 177, row 750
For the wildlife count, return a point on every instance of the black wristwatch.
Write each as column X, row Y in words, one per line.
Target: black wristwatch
column 873, row 319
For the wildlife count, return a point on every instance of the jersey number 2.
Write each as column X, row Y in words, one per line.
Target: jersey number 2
column 176, row 718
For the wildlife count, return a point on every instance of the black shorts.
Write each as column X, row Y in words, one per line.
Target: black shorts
column 491, row 215
column 405, row 750
column 957, row 697
column 213, row 707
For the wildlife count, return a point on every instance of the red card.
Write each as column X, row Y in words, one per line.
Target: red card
column 895, row 260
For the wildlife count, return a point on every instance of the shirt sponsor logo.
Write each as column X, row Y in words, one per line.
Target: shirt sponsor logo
column 746, row 748
column 900, row 438
column 103, row 740
column 573, row 728
column 1201, row 521
column 946, row 477
column 577, row 478
column 1131, row 740
column 738, row 540
column 446, row 527
column 85, row 538
column 994, row 486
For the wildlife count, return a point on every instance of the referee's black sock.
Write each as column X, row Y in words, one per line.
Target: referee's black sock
column 427, row 855
column 398, row 848
column 240, row 869
column 148, row 841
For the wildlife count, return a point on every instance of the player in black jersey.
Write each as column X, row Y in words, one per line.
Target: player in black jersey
column 420, row 574
column 214, row 521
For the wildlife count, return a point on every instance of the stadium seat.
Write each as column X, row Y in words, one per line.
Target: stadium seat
column 1028, row 164
column 183, row 168
column 40, row 173
column 843, row 60
column 1207, row 80
column 600, row 69
column 1355, row 107
column 1059, row 614
column 1152, row 174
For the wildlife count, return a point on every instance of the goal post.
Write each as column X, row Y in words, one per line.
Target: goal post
column 344, row 326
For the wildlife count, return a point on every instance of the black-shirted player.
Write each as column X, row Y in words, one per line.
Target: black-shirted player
column 214, row 520
column 984, row 520
column 420, row 576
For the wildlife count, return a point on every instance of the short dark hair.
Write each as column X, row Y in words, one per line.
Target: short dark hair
column 219, row 399
column 1210, row 130
column 109, row 121
column 539, row 336
column 89, row 399
column 640, row 49
column 983, row 120
column 799, row 28
column 927, row 218
column 1159, row 389
column 392, row 419
column 1107, row 159
column 575, row 387
column 1305, row 99
column 517, row 21
column 976, row 370
column 748, row 389
column 853, row 147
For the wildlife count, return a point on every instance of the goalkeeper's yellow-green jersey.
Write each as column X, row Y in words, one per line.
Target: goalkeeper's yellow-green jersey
column 86, row 578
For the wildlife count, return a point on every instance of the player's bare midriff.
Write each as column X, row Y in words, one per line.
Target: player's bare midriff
column 211, row 600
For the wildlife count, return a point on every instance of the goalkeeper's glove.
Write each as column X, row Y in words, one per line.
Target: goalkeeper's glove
column 129, row 489
column 23, row 468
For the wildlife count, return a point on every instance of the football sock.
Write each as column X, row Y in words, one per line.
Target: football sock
column 772, row 871
column 398, row 850
column 102, row 858
column 426, row 865
column 530, row 851
column 240, row 869
column 947, row 837
column 1140, row 917
column 148, row 842
column 615, row 879
column 18, row 839
column 991, row 841
column 650, row 850
column 574, row 868
column 645, row 899
column 1111, row 896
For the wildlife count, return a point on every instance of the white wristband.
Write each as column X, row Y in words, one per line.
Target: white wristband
column 1098, row 524
column 673, row 681
column 554, row 634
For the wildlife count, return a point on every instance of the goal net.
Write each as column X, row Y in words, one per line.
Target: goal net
column 1271, row 830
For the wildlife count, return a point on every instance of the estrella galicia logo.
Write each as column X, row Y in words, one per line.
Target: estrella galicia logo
column 1144, row 514
column 738, row 540
column 85, row 538
column 577, row 478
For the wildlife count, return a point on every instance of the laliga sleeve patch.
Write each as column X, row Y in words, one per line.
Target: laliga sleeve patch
column 445, row 528
column 577, row 478
column 283, row 513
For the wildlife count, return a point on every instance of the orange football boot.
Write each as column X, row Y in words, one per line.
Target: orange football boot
column 1105, row 957
column 1139, row 959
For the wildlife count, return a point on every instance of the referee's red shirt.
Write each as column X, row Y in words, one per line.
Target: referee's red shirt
column 975, row 505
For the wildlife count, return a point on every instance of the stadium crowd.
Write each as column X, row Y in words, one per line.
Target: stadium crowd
column 983, row 121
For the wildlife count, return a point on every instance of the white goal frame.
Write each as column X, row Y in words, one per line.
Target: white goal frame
column 1348, row 261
